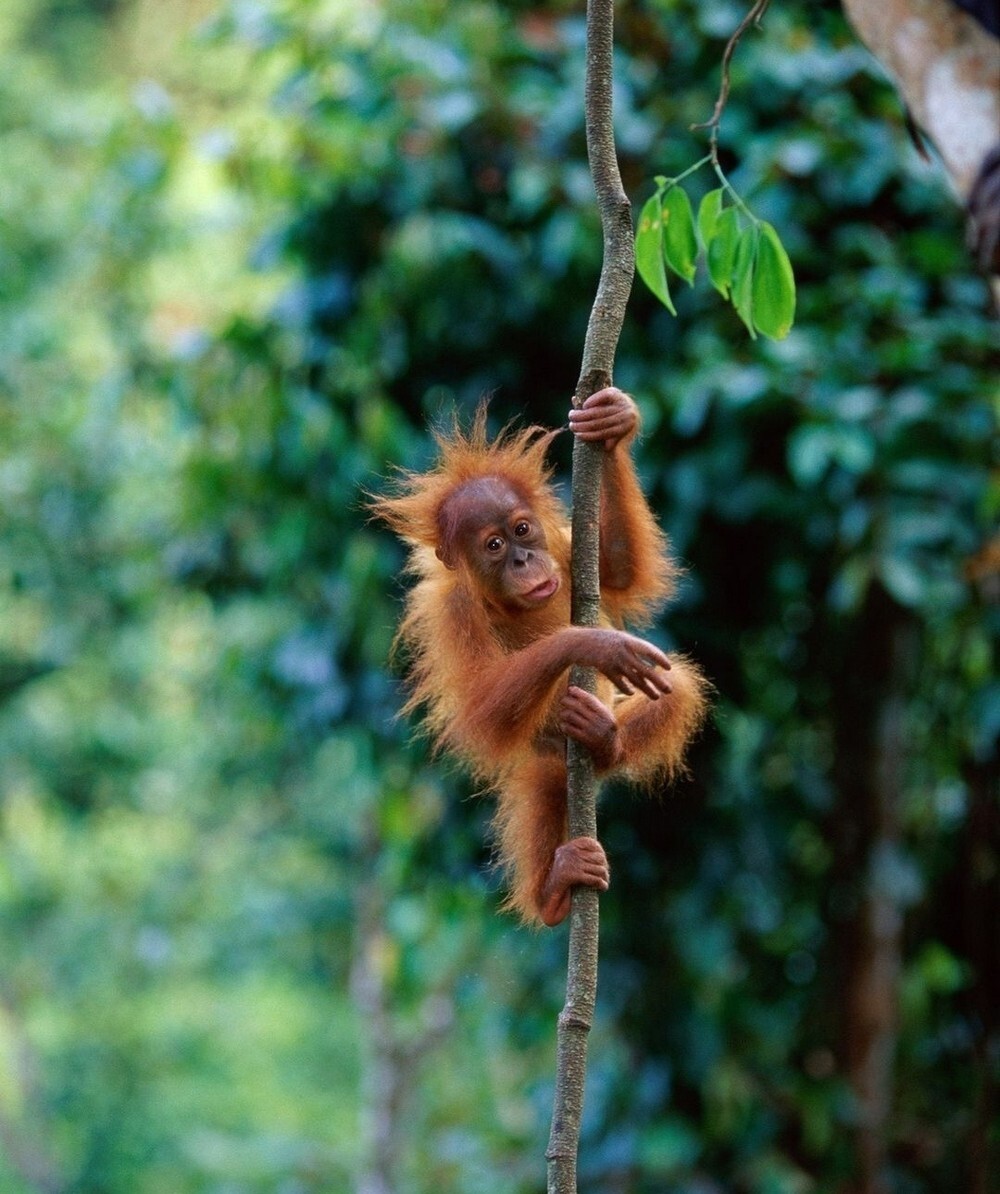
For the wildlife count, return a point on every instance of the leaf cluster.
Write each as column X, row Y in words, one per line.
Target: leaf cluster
column 745, row 259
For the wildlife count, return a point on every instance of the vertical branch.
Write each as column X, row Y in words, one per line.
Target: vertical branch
column 603, row 330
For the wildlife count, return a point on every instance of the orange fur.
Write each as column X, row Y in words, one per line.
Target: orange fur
column 489, row 680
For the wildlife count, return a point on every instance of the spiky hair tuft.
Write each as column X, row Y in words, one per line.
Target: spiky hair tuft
column 516, row 455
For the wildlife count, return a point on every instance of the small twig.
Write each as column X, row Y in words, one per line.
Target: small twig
column 690, row 170
column 753, row 17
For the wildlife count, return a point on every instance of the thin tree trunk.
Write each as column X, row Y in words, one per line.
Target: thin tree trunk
column 383, row 1080
column 391, row 1062
column 22, row 1131
column 980, row 936
column 603, row 330
column 872, row 754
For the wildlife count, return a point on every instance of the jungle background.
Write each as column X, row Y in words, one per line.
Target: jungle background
column 249, row 937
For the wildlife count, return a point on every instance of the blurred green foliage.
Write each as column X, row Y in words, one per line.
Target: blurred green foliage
column 248, row 929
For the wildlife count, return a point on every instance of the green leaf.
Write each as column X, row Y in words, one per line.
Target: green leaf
column 810, row 450
column 722, row 250
column 649, row 259
column 743, row 272
column 709, row 211
column 903, row 579
column 680, row 247
column 773, row 286
column 939, row 969
column 668, row 1146
column 854, row 448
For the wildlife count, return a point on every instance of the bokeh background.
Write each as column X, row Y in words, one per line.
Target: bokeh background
column 249, row 938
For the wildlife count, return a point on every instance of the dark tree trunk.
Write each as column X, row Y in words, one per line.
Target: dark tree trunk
column 871, row 752
column 980, row 943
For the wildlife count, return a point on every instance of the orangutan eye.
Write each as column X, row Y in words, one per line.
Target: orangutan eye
column 522, row 529
column 494, row 544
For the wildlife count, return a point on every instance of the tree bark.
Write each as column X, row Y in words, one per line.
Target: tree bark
column 603, row 331
column 947, row 68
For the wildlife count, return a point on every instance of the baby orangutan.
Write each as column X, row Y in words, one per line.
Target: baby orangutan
column 488, row 629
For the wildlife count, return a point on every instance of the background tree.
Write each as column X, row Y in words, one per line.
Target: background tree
column 945, row 58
